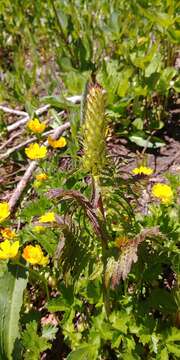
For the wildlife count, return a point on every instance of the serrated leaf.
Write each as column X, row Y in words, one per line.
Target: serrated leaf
column 12, row 285
column 163, row 354
column 33, row 343
column 174, row 335
column 174, row 349
column 49, row 331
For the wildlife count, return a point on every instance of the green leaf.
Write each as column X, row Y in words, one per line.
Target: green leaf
column 59, row 102
column 49, row 331
column 174, row 335
column 33, row 343
column 144, row 142
column 119, row 321
column 163, row 354
column 174, row 349
column 138, row 123
column 84, row 352
column 58, row 304
column 12, row 285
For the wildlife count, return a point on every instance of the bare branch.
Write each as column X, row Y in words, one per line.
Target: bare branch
column 12, row 111
column 24, row 120
column 30, row 169
column 74, row 99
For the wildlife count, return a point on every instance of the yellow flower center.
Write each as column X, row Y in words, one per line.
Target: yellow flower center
column 8, row 233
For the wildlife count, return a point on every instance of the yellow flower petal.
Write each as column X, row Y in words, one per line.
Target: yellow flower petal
column 4, row 211
column 8, row 250
column 60, row 143
column 44, row 261
column 47, row 217
column 35, row 151
column 142, row 170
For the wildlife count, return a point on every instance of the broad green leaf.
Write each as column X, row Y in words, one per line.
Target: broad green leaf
column 59, row 102
column 84, row 352
column 58, row 304
column 12, row 285
column 143, row 142
column 138, row 123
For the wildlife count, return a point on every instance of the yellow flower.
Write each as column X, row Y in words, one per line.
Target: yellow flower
column 36, row 126
column 34, row 255
column 121, row 241
column 34, row 151
column 41, row 176
column 163, row 192
column 38, row 228
column 4, row 211
column 8, row 233
column 60, row 143
column 47, row 217
column 8, row 250
column 142, row 170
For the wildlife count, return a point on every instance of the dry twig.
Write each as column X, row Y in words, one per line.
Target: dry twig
column 30, row 169
column 74, row 99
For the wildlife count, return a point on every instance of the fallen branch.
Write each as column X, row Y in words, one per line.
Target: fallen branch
column 74, row 99
column 30, row 169
column 11, row 139
column 24, row 143
column 12, row 111
column 24, row 120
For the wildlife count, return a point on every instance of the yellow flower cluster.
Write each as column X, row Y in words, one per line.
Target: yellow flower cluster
column 8, row 233
column 34, row 255
column 4, row 211
column 60, row 143
column 36, row 126
column 35, row 151
column 142, row 170
column 8, row 250
column 163, row 192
